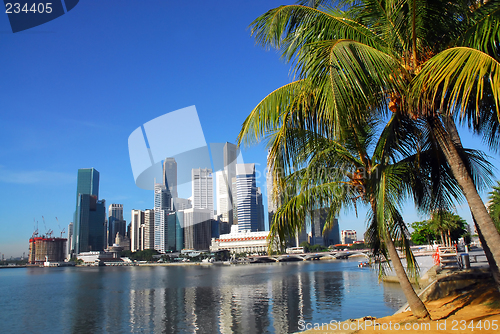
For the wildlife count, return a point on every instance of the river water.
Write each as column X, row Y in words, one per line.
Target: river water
column 254, row 298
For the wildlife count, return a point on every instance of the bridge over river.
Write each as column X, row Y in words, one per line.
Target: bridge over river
column 307, row 256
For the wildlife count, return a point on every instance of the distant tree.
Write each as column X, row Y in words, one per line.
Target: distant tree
column 144, row 255
column 449, row 226
column 306, row 246
column 126, row 253
column 317, row 248
column 358, row 246
column 422, row 233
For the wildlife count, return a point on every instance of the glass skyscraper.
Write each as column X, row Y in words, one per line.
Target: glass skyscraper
column 250, row 213
column 170, row 176
column 90, row 213
column 116, row 224
column 88, row 182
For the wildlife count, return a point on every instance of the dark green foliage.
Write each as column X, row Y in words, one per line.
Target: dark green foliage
column 306, row 246
column 425, row 232
column 494, row 205
column 422, row 233
column 145, row 255
column 358, row 246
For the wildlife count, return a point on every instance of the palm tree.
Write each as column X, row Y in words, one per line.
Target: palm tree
column 437, row 227
column 436, row 60
column 314, row 171
column 494, row 205
column 445, row 223
column 313, row 167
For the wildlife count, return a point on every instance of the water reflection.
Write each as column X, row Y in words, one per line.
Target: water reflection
column 196, row 299
column 88, row 304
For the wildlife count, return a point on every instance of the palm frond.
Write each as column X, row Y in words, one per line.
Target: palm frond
column 289, row 28
column 454, row 78
column 482, row 31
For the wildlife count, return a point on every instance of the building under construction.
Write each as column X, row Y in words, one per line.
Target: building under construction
column 46, row 249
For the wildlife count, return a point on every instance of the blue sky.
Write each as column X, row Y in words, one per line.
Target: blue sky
column 74, row 89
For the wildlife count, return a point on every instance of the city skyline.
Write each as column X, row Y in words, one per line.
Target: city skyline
column 93, row 81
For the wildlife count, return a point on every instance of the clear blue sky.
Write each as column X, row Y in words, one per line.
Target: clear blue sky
column 73, row 90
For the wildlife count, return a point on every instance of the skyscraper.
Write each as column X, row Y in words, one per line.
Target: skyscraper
column 136, row 226
column 69, row 243
column 226, row 192
column 179, row 230
column 181, row 204
column 202, row 189
column 88, row 182
column 90, row 213
column 197, row 228
column 149, row 229
column 260, row 211
column 224, row 206
column 163, row 206
column 170, row 176
column 318, row 220
column 116, row 224
column 249, row 213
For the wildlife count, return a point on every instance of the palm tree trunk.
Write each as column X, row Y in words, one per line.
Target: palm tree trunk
column 416, row 305
column 493, row 266
column 443, row 242
column 476, row 205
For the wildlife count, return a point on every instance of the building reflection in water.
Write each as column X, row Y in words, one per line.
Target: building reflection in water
column 219, row 299
column 87, row 315
column 256, row 298
column 238, row 303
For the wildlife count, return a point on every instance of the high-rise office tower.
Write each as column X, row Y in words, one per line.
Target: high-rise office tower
column 202, row 189
column 137, row 230
column 163, row 206
column 235, row 202
column 116, row 224
column 163, row 198
column 90, row 214
column 224, row 207
column 88, row 182
column 248, row 212
column 69, row 243
column 149, row 229
column 224, row 181
column 260, row 211
column 318, row 220
column 197, row 228
column 170, row 235
column 160, row 229
column 179, row 230
column 170, row 176
column 181, row 204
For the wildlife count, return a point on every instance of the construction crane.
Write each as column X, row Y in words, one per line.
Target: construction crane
column 45, row 227
column 62, row 232
column 58, row 225
column 49, row 233
column 35, row 228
